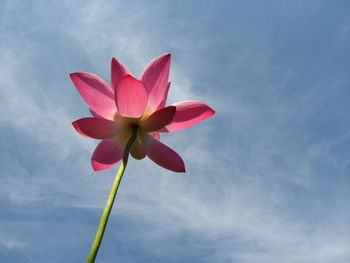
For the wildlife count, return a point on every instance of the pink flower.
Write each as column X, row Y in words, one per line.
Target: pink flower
column 127, row 104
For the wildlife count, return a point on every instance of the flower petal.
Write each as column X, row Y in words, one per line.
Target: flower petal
column 162, row 154
column 108, row 153
column 163, row 102
column 95, row 114
column 118, row 70
column 155, row 77
column 130, row 97
column 156, row 135
column 96, row 92
column 187, row 114
column 96, row 128
column 137, row 151
column 159, row 119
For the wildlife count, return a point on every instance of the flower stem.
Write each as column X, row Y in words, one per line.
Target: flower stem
column 105, row 215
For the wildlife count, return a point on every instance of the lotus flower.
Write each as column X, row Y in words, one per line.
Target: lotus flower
column 128, row 105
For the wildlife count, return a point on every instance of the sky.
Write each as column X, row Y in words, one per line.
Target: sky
column 267, row 176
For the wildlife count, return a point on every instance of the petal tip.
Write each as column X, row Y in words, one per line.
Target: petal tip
column 77, row 74
column 127, row 76
column 96, row 166
column 165, row 57
column 211, row 112
column 182, row 170
column 117, row 62
column 76, row 127
column 179, row 169
column 73, row 75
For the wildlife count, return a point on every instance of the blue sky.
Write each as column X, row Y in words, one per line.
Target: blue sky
column 267, row 177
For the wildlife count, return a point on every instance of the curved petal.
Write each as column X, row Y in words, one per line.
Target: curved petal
column 96, row 92
column 130, row 97
column 96, row 128
column 187, row 114
column 159, row 119
column 108, row 153
column 137, row 151
column 118, row 70
column 155, row 77
column 162, row 154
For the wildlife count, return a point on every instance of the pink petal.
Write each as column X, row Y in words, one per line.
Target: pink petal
column 108, row 153
column 95, row 114
column 162, row 154
column 155, row 77
column 187, row 114
column 130, row 97
column 137, row 151
column 159, row 119
column 118, row 70
column 96, row 92
column 156, row 135
column 96, row 128
column 163, row 102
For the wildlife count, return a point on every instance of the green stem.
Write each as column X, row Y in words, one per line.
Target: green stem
column 105, row 215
